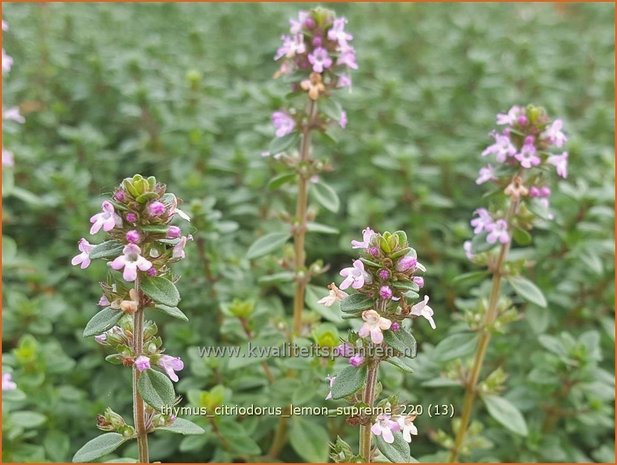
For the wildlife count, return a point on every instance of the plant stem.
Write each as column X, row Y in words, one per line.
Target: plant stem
column 300, row 218
column 139, row 413
column 280, row 435
column 485, row 336
column 368, row 398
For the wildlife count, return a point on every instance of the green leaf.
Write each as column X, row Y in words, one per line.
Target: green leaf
column 402, row 363
column 355, row 303
column 321, row 228
column 266, row 244
column 527, row 290
column 156, row 228
column 326, row 196
column 102, row 321
column 406, row 286
column 280, row 277
column 182, row 426
column 281, row 180
column 397, row 452
column 280, row 144
column 471, row 277
column 521, row 236
column 401, row 341
column 348, row 381
column 455, row 346
column 27, row 419
column 309, row 439
column 479, row 244
column 172, row 311
column 161, row 290
column 106, row 249
column 99, row 446
column 506, row 414
column 156, row 389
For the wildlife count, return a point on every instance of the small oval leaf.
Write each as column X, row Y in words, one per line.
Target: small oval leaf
column 102, row 321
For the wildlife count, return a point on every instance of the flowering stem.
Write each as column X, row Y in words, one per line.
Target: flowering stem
column 138, row 403
column 368, row 398
column 300, row 218
column 485, row 336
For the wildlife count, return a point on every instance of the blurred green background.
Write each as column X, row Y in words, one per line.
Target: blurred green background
column 185, row 92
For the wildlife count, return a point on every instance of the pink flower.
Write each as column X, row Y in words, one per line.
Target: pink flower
column 334, row 295
column 406, row 263
column 337, row 31
column 7, row 158
column 101, row 339
column 383, row 274
column 107, row 219
column 7, row 382
column 330, row 380
column 344, row 81
column 554, row 134
column 356, row 360
column 385, row 292
column 133, row 236
column 156, row 208
column 468, row 250
column 511, row 117
column 178, row 251
column 419, row 280
column 292, row 46
column 320, row 59
column 7, row 62
column 343, row 120
column 354, row 276
column 171, row 365
column 142, row 363
column 174, row 232
column 407, row 427
column 498, row 231
column 131, row 217
column 395, row 326
column 560, row 162
column 83, row 258
column 528, row 154
column 422, row 309
column 502, row 148
column 384, row 427
column 131, row 260
column 367, row 236
column 373, row 326
column 482, row 222
column 104, row 301
column 348, row 58
column 5, row 26
column 487, row 173
column 344, row 350
column 283, row 123
column 297, row 24
column 13, row 114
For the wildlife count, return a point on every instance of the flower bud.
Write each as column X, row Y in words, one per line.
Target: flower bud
column 395, row 326
column 383, row 274
column 156, row 208
column 406, row 263
column 356, row 360
column 131, row 217
column 120, row 196
column 174, row 232
column 385, row 292
column 419, row 280
column 133, row 236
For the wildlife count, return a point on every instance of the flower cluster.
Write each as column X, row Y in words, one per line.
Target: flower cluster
column 13, row 113
column 316, row 57
column 143, row 241
column 120, row 340
column 385, row 278
column 524, row 154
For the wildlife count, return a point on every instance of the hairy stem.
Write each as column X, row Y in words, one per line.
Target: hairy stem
column 368, row 397
column 299, row 233
column 484, row 338
column 139, row 413
column 300, row 220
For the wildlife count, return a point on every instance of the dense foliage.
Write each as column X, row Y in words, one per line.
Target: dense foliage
column 184, row 92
